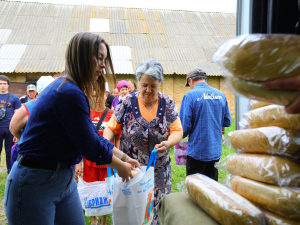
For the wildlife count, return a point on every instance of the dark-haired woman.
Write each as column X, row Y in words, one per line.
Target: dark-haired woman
column 40, row 188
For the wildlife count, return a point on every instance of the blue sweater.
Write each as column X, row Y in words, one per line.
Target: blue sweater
column 59, row 128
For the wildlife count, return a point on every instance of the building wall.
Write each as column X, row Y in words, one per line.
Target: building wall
column 173, row 85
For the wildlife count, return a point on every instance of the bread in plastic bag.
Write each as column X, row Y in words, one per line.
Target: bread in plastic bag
column 260, row 57
column 271, row 115
column 221, row 203
column 258, row 104
column 260, row 167
column 266, row 140
column 274, row 219
column 280, row 200
column 254, row 90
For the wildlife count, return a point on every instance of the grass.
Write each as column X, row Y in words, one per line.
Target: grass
column 177, row 174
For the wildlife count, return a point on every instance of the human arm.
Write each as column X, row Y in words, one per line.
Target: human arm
column 18, row 122
column 119, row 154
column 17, row 103
column 176, row 131
column 173, row 139
column 16, row 139
column 71, row 109
column 186, row 115
column 112, row 129
column 290, row 83
column 227, row 117
column 78, row 169
column 117, row 141
column 108, row 134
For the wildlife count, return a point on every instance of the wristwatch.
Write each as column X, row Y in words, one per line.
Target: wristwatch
column 124, row 157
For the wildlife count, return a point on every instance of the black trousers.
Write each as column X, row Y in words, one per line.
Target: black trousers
column 8, row 139
column 206, row 168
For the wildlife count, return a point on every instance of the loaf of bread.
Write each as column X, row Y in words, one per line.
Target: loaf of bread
column 282, row 201
column 272, row 115
column 260, row 57
column 254, row 90
column 265, row 168
column 266, row 140
column 134, row 173
column 221, row 203
column 274, row 219
column 259, row 104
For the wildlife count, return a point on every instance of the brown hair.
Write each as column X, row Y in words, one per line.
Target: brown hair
column 79, row 66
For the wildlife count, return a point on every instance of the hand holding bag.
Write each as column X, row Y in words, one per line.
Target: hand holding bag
column 133, row 201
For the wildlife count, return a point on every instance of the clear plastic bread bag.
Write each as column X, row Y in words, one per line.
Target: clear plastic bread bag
column 283, row 201
column 271, row 115
column 261, row 167
column 254, row 90
column 221, row 203
column 265, row 140
column 260, row 57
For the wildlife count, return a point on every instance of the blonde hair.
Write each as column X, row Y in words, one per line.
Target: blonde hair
column 79, row 66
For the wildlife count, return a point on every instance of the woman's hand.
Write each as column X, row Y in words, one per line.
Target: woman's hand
column 78, row 169
column 125, row 171
column 290, row 83
column 163, row 146
column 133, row 162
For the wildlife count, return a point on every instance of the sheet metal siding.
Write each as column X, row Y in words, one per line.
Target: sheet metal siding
column 180, row 40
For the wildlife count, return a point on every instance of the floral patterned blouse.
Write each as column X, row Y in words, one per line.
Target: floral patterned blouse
column 139, row 137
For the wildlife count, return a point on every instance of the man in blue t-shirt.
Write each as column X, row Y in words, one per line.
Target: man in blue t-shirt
column 13, row 103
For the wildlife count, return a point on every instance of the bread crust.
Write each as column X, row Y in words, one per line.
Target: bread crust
column 282, row 201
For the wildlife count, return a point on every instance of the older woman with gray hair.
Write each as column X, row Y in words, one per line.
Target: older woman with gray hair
column 148, row 119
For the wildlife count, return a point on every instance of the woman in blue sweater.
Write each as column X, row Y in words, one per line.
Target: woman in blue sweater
column 41, row 188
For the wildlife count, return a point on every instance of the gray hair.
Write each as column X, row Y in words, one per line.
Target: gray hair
column 152, row 68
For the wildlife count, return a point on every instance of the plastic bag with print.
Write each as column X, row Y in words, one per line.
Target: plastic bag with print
column 133, row 201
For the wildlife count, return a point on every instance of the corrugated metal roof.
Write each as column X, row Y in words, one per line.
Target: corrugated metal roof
column 180, row 40
column 99, row 25
column 121, row 53
column 10, row 56
column 4, row 34
column 123, row 67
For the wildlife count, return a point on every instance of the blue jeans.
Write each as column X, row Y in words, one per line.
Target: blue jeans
column 39, row 196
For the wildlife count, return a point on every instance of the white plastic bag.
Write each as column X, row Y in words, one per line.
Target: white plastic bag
column 133, row 202
column 94, row 198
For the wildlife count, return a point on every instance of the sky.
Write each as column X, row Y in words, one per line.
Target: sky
column 226, row 6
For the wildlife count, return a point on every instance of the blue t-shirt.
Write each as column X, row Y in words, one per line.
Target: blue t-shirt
column 13, row 103
column 60, row 129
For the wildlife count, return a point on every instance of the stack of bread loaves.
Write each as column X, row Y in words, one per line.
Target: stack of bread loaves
column 248, row 60
column 267, row 173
